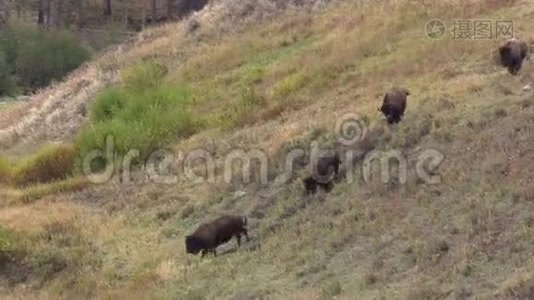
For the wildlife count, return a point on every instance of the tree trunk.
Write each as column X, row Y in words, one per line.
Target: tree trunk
column 170, row 9
column 19, row 10
column 143, row 20
column 154, row 10
column 126, row 13
column 58, row 13
column 107, row 8
column 48, row 12
column 4, row 13
column 41, row 13
column 80, row 22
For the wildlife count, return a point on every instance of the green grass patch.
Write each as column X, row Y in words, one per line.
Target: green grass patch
column 4, row 105
column 36, row 192
column 146, row 75
column 5, row 170
column 290, row 85
column 51, row 163
column 141, row 115
column 10, row 245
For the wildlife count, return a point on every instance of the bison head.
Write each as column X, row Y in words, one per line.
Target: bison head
column 193, row 245
column 505, row 50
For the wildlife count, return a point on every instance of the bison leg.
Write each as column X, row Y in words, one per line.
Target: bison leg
column 328, row 187
column 207, row 251
column 514, row 69
column 238, row 238
column 394, row 118
column 511, row 70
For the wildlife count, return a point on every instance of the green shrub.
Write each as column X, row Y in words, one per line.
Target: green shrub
column 36, row 57
column 51, row 163
column 143, row 121
column 107, row 105
column 142, row 76
column 8, row 83
column 47, row 57
column 12, row 39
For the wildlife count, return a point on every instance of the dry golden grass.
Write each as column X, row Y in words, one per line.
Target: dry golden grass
column 36, row 217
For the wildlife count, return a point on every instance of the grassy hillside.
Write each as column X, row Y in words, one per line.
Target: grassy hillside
column 279, row 80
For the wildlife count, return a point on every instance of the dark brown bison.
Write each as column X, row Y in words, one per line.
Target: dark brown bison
column 323, row 173
column 512, row 54
column 394, row 105
column 217, row 232
column 311, row 185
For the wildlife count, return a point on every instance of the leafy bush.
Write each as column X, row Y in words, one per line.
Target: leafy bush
column 47, row 57
column 143, row 76
column 36, row 57
column 143, row 121
column 108, row 104
column 7, row 81
column 51, row 163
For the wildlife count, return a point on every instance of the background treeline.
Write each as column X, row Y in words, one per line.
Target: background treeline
column 31, row 58
column 130, row 14
column 43, row 40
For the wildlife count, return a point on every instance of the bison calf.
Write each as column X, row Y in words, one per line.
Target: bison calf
column 219, row 231
column 512, row 54
column 394, row 105
column 324, row 172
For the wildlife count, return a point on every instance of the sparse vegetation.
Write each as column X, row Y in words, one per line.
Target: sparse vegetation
column 10, row 245
column 38, row 191
column 51, row 163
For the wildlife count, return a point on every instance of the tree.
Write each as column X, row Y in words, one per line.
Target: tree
column 48, row 11
column 170, row 9
column 154, row 10
column 107, row 8
column 4, row 12
column 41, row 13
column 56, row 13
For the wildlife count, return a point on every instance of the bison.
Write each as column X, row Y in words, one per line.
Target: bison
column 323, row 173
column 394, row 105
column 210, row 235
column 512, row 54
column 311, row 185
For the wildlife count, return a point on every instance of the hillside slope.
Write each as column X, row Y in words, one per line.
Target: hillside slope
column 278, row 81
